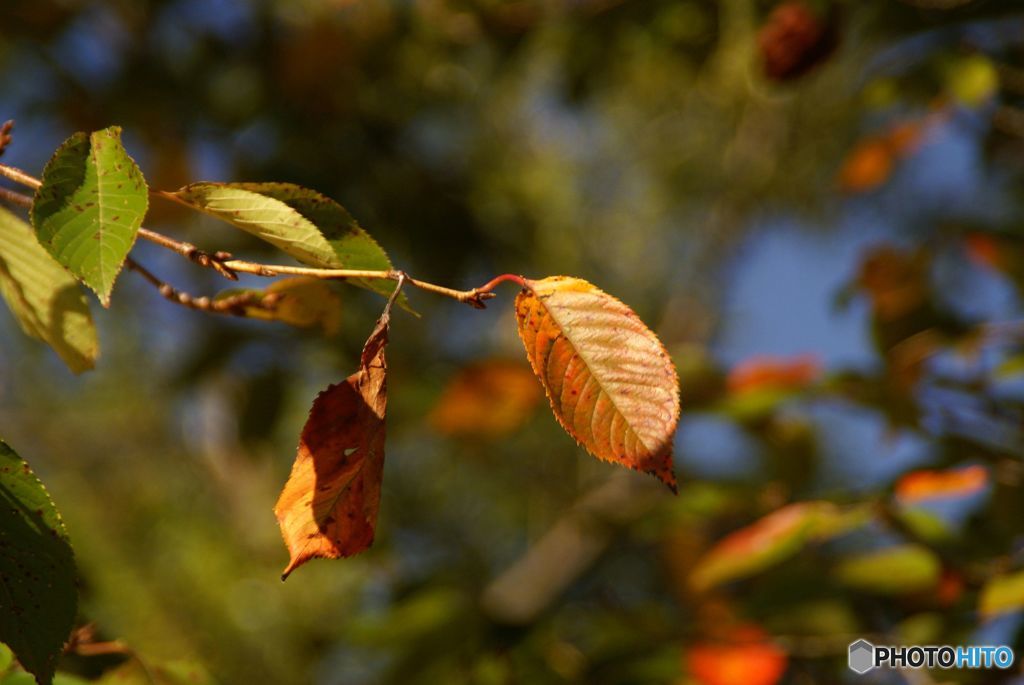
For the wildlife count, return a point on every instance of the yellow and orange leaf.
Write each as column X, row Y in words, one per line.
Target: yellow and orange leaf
column 771, row 540
column 610, row 381
column 328, row 508
column 929, row 484
column 748, row 658
column 487, row 399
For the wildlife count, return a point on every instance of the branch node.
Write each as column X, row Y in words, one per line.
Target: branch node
column 5, row 134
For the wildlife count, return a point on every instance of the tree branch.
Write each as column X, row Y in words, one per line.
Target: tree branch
column 15, row 198
column 234, row 305
column 229, row 268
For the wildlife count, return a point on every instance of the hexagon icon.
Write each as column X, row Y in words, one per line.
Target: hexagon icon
column 862, row 656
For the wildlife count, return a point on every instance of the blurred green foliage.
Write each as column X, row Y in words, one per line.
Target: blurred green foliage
column 641, row 145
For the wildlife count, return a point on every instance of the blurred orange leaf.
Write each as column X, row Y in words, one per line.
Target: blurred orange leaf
column 771, row 540
column 929, row 484
column 748, row 658
column 871, row 161
column 329, row 505
column 610, row 381
column 867, row 166
column 775, row 373
column 985, row 250
column 794, row 39
column 487, row 399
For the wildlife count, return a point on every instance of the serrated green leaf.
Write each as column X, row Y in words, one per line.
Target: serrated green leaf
column 47, row 302
column 310, row 227
column 37, row 570
column 90, row 206
column 894, row 570
column 1002, row 594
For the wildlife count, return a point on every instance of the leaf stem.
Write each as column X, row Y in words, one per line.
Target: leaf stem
column 226, row 266
column 490, row 285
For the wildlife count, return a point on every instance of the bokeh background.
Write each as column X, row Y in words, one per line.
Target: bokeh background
column 815, row 203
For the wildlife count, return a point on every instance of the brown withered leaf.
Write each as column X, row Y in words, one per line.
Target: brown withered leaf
column 328, row 508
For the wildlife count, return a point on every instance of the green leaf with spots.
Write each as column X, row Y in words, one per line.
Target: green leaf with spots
column 47, row 302
column 308, row 226
column 90, row 206
column 37, row 570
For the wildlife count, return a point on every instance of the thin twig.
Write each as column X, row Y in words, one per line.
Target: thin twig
column 235, row 305
column 223, row 264
column 211, row 260
column 15, row 198
column 19, row 176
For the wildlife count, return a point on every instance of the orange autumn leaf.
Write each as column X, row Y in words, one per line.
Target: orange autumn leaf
column 486, row 399
column 328, row 508
column 950, row 588
column 985, row 250
column 776, row 373
column 610, row 381
column 747, row 658
column 868, row 165
column 928, row 484
column 872, row 160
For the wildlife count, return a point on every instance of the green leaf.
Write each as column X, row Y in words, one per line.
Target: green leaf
column 310, row 227
column 44, row 298
column 1002, row 594
column 37, row 570
column 90, row 206
column 894, row 570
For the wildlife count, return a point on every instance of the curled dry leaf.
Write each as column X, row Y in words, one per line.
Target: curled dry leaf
column 328, row 508
column 610, row 381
